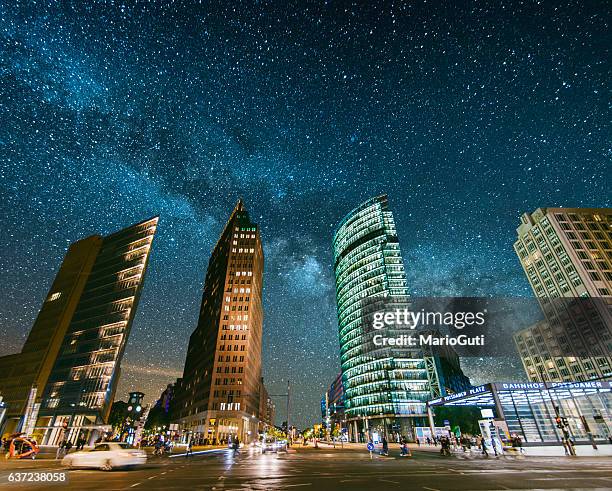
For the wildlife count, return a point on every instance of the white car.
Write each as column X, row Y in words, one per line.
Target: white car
column 106, row 456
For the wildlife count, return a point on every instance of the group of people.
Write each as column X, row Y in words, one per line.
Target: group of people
column 404, row 449
column 66, row 445
column 161, row 446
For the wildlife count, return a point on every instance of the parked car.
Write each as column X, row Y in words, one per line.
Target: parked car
column 106, row 456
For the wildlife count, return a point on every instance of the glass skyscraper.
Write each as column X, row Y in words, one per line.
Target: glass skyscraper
column 68, row 369
column 385, row 391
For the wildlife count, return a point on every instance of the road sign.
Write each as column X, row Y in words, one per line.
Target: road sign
column 446, row 422
column 370, row 446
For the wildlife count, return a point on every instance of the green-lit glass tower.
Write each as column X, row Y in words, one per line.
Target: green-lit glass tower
column 384, row 392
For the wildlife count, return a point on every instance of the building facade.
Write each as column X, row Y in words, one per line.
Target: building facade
column 219, row 394
column 332, row 405
column 24, row 374
column 267, row 408
column 385, row 392
column 566, row 253
column 67, row 372
column 528, row 409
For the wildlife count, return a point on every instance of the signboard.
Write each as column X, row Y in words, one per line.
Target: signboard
column 486, row 413
column 370, row 446
column 553, row 385
column 476, row 390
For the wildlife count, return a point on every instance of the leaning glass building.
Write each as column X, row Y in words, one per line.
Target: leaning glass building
column 385, row 391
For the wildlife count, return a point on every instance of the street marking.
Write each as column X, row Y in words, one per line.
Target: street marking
column 388, row 480
column 134, row 485
column 152, row 477
column 199, row 452
column 556, row 478
column 430, row 489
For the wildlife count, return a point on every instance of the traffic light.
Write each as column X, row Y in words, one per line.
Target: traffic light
column 559, row 422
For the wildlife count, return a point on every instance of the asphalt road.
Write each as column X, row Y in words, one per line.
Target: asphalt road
column 322, row 469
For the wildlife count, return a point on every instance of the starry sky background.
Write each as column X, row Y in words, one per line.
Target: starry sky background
column 466, row 115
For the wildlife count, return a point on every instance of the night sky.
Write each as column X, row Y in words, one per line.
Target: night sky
column 465, row 115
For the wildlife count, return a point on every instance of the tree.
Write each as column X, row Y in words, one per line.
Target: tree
column 157, row 417
column 466, row 417
column 117, row 415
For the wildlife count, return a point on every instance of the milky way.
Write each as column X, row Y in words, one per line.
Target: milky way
column 466, row 116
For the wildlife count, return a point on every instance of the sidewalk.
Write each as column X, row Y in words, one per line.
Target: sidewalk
column 603, row 450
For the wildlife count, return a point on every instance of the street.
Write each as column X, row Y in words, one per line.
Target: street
column 328, row 468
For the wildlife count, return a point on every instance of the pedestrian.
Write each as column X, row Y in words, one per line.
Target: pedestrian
column 445, row 444
column 385, row 446
column 566, row 445
column 6, row 444
column 189, row 452
column 159, row 447
column 418, row 442
column 483, row 446
column 404, row 450
column 61, row 450
column 80, row 442
column 519, row 444
column 236, row 445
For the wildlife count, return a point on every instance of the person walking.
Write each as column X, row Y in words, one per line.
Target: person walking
column 80, row 443
column 189, row 452
column 236, row 446
column 483, row 446
column 494, row 444
column 61, row 450
column 385, row 447
column 404, row 450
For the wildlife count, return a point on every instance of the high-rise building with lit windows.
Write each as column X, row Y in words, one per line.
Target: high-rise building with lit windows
column 385, row 391
column 567, row 253
column 219, row 395
column 68, row 369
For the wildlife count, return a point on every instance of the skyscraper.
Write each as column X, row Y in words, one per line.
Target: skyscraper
column 385, row 391
column 25, row 374
column 567, row 252
column 68, row 369
column 220, row 391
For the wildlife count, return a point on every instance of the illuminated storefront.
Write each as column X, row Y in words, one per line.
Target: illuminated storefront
column 528, row 408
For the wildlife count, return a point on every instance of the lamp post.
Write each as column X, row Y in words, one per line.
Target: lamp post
column 288, row 396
